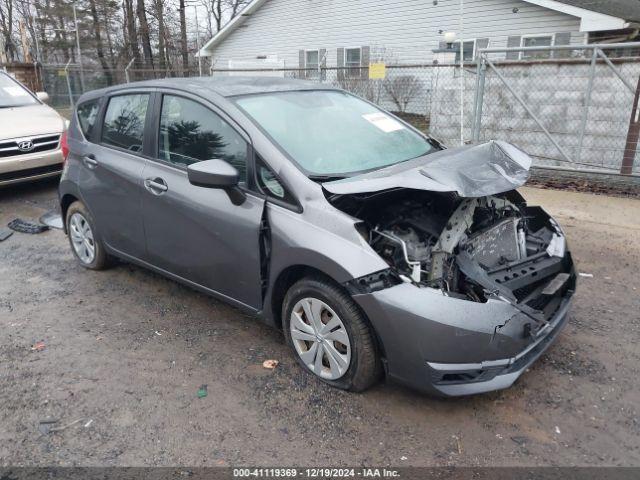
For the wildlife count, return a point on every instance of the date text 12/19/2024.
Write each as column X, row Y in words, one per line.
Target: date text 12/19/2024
column 317, row 472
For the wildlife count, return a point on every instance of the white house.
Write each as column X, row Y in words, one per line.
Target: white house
column 350, row 33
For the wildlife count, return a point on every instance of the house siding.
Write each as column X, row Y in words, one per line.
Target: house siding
column 406, row 30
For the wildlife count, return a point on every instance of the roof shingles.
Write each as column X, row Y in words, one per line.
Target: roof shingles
column 626, row 9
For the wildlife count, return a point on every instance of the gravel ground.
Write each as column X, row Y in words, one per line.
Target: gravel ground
column 126, row 352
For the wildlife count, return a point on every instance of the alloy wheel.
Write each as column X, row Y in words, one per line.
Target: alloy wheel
column 82, row 238
column 320, row 338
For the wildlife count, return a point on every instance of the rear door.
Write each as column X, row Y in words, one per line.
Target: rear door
column 193, row 232
column 111, row 174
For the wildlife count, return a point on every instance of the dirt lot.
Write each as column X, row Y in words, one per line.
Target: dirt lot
column 126, row 352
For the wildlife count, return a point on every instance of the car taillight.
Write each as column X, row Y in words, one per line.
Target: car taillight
column 64, row 145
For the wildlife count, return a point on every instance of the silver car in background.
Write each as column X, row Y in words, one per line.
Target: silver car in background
column 31, row 143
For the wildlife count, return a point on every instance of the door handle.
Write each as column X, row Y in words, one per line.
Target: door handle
column 157, row 186
column 90, row 161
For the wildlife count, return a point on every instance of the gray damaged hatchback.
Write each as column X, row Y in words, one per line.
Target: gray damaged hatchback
column 375, row 249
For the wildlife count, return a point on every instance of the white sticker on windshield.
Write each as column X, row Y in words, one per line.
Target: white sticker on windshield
column 15, row 91
column 383, row 122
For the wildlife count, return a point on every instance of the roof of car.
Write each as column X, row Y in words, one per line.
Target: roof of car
column 230, row 85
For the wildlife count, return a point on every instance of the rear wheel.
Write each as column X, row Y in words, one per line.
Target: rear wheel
column 329, row 335
column 85, row 244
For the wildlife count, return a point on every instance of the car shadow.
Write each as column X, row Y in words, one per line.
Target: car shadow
column 42, row 190
column 166, row 293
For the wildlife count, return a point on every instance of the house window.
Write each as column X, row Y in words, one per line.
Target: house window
column 352, row 60
column 468, row 50
column 536, row 41
column 312, row 63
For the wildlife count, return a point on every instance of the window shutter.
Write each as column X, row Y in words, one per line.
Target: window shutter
column 562, row 38
column 340, row 63
column 481, row 43
column 365, row 54
column 513, row 41
column 301, row 65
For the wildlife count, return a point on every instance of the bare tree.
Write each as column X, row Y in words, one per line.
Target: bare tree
column 402, row 89
column 221, row 12
column 159, row 13
column 183, row 38
column 6, row 23
column 153, row 33
column 144, row 34
column 131, row 41
column 99, row 47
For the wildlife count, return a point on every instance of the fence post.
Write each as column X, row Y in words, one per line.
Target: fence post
column 126, row 70
column 633, row 134
column 587, row 100
column 66, row 74
column 479, row 97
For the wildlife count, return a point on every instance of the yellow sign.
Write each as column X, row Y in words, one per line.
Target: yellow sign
column 377, row 71
column 62, row 73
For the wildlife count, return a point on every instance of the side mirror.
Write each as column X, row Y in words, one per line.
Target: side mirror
column 217, row 174
column 43, row 97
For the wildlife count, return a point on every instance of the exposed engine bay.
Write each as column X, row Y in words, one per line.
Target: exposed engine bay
column 470, row 248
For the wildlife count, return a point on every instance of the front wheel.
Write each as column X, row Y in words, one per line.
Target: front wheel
column 329, row 335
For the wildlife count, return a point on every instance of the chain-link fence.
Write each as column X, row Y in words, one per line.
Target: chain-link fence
column 568, row 107
column 66, row 83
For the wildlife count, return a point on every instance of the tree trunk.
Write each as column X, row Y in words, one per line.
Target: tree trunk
column 162, row 56
column 99, row 47
column 132, row 36
column 68, row 54
column 40, row 27
column 218, row 15
column 7, row 28
column 183, row 38
column 144, row 34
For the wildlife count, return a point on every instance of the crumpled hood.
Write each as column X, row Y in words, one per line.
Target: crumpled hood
column 471, row 171
column 30, row 120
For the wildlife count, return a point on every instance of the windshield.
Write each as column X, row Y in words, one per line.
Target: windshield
column 12, row 94
column 332, row 133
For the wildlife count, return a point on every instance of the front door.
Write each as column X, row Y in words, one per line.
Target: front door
column 111, row 175
column 194, row 232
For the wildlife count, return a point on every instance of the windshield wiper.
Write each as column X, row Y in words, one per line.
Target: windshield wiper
column 326, row 178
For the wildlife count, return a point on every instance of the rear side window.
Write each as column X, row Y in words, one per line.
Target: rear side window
column 87, row 114
column 124, row 121
column 190, row 132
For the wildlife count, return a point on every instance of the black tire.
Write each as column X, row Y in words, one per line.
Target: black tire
column 364, row 367
column 101, row 259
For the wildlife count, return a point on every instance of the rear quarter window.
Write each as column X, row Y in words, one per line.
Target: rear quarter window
column 124, row 121
column 87, row 115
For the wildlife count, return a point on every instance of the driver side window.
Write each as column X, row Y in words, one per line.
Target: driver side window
column 190, row 132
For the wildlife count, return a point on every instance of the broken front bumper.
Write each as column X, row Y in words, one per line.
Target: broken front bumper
column 449, row 346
